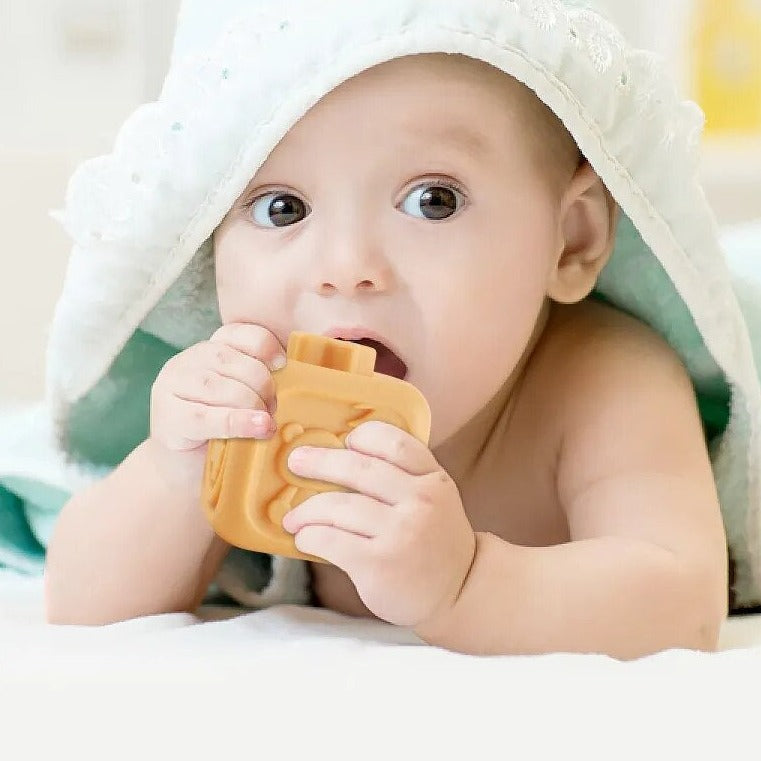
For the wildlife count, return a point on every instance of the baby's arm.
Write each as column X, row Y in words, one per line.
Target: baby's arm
column 646, row 568
column 137, row 542
column 134, row 544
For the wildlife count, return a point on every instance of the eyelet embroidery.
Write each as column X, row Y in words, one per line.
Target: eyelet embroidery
column 543, row 14
column 600, row 54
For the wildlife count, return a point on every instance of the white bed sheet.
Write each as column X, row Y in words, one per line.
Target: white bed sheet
column 303, row 682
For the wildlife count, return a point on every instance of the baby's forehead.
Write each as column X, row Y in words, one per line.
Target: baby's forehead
column 435, row 97
column 514, row 104
column 523, row 113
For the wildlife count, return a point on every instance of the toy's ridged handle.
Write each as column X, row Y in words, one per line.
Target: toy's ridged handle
column 328, row 352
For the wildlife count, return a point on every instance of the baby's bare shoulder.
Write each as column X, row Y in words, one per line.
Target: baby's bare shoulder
column 626, row 414
column 593, row 350
column 620, row 395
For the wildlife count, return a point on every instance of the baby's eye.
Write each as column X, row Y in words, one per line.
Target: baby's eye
column 278, row 210
column 433, row 201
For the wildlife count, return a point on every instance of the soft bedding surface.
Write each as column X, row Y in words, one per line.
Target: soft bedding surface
column 302, row 682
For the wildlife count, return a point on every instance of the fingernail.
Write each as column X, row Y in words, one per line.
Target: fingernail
column 278, row 363
column 297, row 456
column 263, row 423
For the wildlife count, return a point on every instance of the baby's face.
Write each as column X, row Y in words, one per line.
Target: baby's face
column 405, row 206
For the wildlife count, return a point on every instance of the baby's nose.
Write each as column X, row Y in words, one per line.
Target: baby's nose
column 351, row 255
column 352, row 270
column 346, row 286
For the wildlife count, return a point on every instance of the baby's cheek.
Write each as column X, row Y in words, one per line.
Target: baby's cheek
column 227, row 297
column 236, row 283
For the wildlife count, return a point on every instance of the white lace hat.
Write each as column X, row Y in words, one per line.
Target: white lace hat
column 140, row 281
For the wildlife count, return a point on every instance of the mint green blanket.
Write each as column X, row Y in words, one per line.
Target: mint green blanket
column 28, row 510
column 28, row 506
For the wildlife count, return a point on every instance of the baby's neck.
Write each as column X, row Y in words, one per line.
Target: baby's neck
column 460, row 453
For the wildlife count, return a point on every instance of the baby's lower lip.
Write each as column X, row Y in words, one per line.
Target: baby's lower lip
column 386, row 362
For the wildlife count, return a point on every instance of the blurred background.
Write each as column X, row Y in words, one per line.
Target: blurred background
column 71, row 71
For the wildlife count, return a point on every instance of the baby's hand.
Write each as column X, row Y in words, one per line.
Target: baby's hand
column 217, row 389
column 402, row 534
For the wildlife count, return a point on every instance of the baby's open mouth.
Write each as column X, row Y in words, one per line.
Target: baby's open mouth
column 386, row 362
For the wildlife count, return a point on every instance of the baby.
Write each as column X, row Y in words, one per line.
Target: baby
column 434, row 206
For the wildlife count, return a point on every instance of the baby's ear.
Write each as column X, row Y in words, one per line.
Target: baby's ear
column 588, row 222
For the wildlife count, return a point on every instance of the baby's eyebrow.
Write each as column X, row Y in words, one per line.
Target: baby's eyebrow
column 460, row 137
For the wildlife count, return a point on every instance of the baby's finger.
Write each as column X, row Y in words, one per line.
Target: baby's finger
column 395, row 446
column 361, row 473
column 219, row 390
column 203, row 422
column 253, row 340
column 347, row 511
column 223, row 360
column 341, row 548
